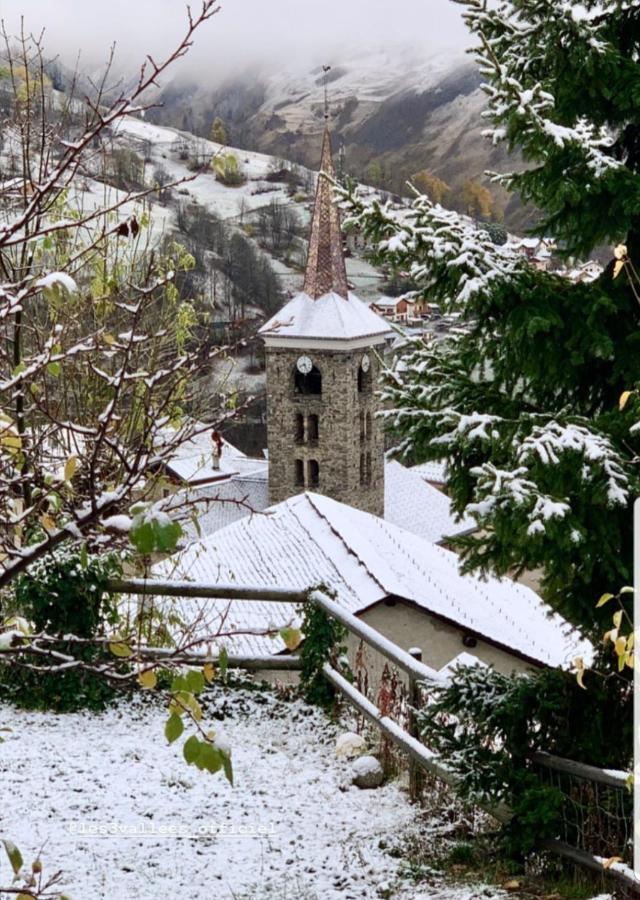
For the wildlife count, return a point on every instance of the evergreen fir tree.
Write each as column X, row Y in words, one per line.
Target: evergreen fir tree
column 524, row 405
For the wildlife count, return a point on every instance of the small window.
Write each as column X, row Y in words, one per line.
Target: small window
column 362, row 469
column 311, row 383
column 364, row 381
column 299, row 428
column 313, row 428
column 367, row 426
column 314, row 473
column 362, row 427
column 299, row 473
column 367, row 469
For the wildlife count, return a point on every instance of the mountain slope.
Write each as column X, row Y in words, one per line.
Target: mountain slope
column 395, row 113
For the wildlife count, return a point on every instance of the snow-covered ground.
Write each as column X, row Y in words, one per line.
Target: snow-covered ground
column 305, row 835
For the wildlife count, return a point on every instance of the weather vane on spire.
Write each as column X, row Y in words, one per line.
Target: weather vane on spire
column 326, row 70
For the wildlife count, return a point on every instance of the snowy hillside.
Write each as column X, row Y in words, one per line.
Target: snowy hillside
column 237, row 206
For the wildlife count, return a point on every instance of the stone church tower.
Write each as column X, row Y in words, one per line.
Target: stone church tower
column 322, row 369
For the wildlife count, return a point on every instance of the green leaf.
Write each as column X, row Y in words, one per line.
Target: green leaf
column 15, row 857
column 223, row 660
column 604, row 599
column 174, row 728
column 142, row 538
column 192, row 749
column 53, row 368
column 195, row 682
column 210, row 758
column 228, row 768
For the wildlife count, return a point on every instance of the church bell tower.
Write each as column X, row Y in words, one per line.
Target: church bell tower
column 322, row 368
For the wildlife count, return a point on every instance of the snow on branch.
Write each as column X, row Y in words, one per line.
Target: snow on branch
column 444, row 252
column 514, row 43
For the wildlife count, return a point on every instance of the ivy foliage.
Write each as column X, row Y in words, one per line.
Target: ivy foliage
column 485, row 726
column 64, row 594
column 323, row 642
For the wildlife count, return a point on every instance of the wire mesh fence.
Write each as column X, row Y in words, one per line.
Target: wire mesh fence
column 596, row 810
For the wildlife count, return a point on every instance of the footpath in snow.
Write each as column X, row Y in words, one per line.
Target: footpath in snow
column 292, row 828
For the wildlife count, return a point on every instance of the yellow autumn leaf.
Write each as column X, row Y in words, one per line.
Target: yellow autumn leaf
column 604, row 599
column 580, row 668
column 630, row 660
column 120, row 649
column 148, row 679
column 611, row 861
column 624, row 398
column 10, row 438
column 620, row 645
column 47, row 522
column 619, row 266
column 617, row 618
column 209, row 671
column 292, row 637
column 620, row 252
column 70, row 468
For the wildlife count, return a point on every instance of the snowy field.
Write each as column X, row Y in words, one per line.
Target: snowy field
column 306, row 835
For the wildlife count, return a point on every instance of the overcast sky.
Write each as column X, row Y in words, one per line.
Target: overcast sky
column 243, row 31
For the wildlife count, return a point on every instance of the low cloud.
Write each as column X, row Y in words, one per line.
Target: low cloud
column 244, row 32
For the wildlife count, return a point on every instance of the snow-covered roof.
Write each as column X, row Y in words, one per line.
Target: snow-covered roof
column 217, row 505
column 412, row 503
column 391, row 302
column 309, row 539
column 434, row 471
column 193, row 461
column 328, row 318
column 409, row 502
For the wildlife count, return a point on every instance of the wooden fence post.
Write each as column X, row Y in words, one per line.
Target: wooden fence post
column 416, row 775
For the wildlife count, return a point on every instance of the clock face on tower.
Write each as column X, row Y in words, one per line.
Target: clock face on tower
column 304, row 365
column 365, row 363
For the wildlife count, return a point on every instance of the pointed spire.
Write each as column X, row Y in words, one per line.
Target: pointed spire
column 326, row 270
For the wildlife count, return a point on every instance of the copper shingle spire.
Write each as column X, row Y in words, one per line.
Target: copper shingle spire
column 326, row 270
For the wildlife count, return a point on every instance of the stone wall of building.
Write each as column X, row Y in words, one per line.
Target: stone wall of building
column 342, row 449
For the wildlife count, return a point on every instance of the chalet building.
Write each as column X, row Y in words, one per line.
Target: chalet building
column 396, row 309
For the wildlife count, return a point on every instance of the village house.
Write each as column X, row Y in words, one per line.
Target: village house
column 396, row 309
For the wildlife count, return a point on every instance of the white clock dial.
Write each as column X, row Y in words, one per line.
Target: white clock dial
column 304, row 365
column 365, row 363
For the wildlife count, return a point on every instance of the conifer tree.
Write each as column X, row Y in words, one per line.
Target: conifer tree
column 525, row 404
column 219, row 132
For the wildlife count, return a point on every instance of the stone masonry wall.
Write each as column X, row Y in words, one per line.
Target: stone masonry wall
column 339, row 445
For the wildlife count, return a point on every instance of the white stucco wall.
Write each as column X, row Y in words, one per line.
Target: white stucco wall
column 440, row 642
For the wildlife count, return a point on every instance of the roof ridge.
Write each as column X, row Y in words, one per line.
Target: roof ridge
column 292, row 510
column 345, row 544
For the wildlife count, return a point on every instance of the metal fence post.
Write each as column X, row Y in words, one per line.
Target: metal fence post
column 416, row 775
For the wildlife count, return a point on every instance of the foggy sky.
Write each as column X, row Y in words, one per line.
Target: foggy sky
column 243, row 32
